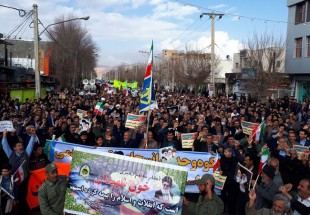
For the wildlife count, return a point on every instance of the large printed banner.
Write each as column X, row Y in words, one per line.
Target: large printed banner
column 188, row 140
column 105, row 183
column 197, row 163
column 117, row 84
column 134, row 121
column 249, row 127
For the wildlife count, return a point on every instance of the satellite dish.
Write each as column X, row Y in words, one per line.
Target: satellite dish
column 86, row 87
column 92, row 82
column 93, row 87
column 85, row 81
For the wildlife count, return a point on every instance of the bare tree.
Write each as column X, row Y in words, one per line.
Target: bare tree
column 194, row 69
column 263, row 64
column 74, row 52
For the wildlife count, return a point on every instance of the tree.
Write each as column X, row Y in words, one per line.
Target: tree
column 194, row 69
column 73, row 51
column 263, row 64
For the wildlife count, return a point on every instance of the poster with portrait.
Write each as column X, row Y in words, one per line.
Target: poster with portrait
column 105, row 183
column 243, row 177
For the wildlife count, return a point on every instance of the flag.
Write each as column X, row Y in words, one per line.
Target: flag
column 148, row 100
column 217, row 162
column 21, row 173
column 126, row 90
column 263, row 160
column 61, row 139
column 98, row 109
column 258, row 132
column 37, row 178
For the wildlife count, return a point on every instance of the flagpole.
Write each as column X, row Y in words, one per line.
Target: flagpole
column 19, row 166
column 4, row 190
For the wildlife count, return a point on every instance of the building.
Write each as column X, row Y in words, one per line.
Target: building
column 17, row 66
column 20, row 53
column 298, row 48
column 248, row 63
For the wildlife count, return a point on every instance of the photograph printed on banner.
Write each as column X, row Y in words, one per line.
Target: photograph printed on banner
column 167, row 155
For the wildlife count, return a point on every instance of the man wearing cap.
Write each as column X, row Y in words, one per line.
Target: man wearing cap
column 52, row 192
column 267, row 189
column 208, row 202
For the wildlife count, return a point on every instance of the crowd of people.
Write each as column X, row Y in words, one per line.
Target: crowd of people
column 282, row 188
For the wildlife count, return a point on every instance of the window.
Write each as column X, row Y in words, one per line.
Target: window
column 237, row 65
column 308, row 50
column 300, row 13
column 278, row 64
column 298, row 45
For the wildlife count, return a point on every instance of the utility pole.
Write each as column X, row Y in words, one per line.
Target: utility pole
column 212, row 16
column 36, row 51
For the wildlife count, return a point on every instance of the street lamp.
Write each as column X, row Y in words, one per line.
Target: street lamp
column 36, row 45
column 69, row 20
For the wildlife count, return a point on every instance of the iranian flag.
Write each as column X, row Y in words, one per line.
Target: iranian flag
column 217, row 162
column 263, row 160
column 126, row 90
column 98, row 109
column 21, row 173
column 258, row 132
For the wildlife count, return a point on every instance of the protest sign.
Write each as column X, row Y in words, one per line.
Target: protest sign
column 105, row 183
column 188, row 140
column 134, row 121
column 85, row 124
column 197, row 163
column 301, row 150
column 6, row 124
column 81, row 113
column 243, row 176
column 249, row 128
column 219, row 180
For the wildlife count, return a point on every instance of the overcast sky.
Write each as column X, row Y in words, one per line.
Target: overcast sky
column 122, row 28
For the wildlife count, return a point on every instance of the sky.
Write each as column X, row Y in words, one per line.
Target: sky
column 124, row 29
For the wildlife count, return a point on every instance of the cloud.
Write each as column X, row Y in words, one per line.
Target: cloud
column 173, row 10
column 223, row 45
column 219, row 6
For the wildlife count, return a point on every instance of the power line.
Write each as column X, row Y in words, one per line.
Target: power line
column 231, row 14
column 21, row 12
column 65, row 49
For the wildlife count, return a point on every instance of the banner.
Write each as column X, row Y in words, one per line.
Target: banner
column 188, row 140
column 301, row 150
column 197, row 163
column 37, row 178
column 104, row 183
column 249, row 127
column 134, row 121
column 117, row 84
column 6, row 124
column 81, row 113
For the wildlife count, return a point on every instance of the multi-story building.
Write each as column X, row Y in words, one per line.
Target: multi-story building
column 245, row 67
column 298, row 47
